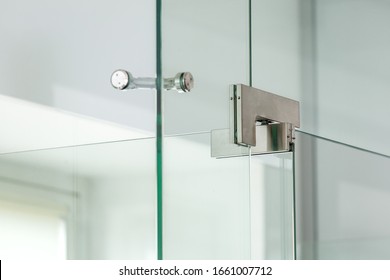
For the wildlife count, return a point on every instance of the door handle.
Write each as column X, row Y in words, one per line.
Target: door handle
column 124, row 80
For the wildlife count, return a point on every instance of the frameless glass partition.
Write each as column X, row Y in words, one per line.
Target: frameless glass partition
column 62, row 195
column 332, row 56
column 216, row 52
column 226, row 208
column 98, row 202
column 206, row 201
column 272, row 206
column 129, row 200
column 83, row 202
column 83, row 195
column 344, row 203
column 216, row 208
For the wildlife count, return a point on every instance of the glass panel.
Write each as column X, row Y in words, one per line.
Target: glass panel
column 104, row 193
column 215, row 209
column 328, row 54
column 61, row 54
column 276, row 53
column 332, row 56
column 50, row 128
column 352, row 65
column 45, row 228
column 206, row 202
column 272, row 206
column 216, row 52
column 344, row 206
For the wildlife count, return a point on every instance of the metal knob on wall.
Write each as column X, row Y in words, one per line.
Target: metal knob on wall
column 123, row 80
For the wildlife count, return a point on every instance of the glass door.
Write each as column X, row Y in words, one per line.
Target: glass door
column 215, row 208
column 95, row 173
column 332, row 56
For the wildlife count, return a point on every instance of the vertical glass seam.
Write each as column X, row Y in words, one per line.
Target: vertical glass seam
column 250, row 43
column 250, row 149
column 250, row 203
column 159, row 133
column 315, row 221
column 294, row 214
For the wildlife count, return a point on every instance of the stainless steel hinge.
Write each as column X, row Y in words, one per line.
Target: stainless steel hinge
column 263, row 121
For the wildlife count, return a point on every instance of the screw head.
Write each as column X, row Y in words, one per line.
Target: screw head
column 184, row 82
column 187, row 81
column 120, row 79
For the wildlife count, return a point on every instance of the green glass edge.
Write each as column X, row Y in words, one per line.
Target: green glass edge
column 294, row 209
column 159, row 133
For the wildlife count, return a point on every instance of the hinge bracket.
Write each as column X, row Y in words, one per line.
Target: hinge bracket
column 258, row 119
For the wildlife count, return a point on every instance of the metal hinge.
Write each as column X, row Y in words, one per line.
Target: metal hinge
column 258, row 119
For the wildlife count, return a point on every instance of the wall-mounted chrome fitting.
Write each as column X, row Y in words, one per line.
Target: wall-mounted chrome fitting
column 263, row 121
column 123, row 80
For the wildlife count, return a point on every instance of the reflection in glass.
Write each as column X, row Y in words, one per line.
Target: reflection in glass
column 272, row 206
column 104, row 193
column 227, row 208
column 346, row 190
